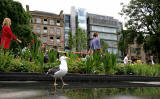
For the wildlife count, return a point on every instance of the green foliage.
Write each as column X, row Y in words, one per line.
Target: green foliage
column 89, row 65
column 70, row 40
column 18, row 65
column 92, row 64
column 80, row 39
column 104, row 46
column 37, row 54
column 23, row 63
column 144, row 19
column 77, row 65
column 138, row 69
column 8, row 63
column 109, row 62
column 97, row 93
column 20, row 23
column 127, row 37
column 52, row 56
column 74, row 64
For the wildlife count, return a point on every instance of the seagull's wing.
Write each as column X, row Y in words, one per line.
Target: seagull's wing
column 53, row 70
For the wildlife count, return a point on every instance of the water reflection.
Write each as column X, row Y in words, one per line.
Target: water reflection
column 114, row 93
column 123, row 97
column 55, row 93
column 105, row 90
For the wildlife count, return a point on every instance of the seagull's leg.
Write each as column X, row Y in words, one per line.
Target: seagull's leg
column 63, row 81
column 55, row 81
column 55, row 88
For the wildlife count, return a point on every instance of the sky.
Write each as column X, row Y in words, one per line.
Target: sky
column 101, row 7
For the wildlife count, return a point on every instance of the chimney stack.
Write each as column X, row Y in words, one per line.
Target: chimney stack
column 27, row 7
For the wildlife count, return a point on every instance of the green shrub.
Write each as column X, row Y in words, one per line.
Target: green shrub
column 89, row 65
column 109, row 62
column 52, row 56
column 138, row 69
column 93, row 64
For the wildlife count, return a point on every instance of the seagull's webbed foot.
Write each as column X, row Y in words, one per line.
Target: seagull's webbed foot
column 65, row 83
column 55, row 84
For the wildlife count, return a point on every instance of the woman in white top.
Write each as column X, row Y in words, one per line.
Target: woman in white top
column 126, row 59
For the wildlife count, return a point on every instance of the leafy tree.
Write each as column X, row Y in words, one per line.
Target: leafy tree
column 144, row 18
column 70, row 41
column 20, row 23
column 80, row 39
column 126, row 37
column 104, row 46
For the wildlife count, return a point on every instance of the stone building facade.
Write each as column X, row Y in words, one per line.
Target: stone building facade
column 49, row 27
column 136, row 51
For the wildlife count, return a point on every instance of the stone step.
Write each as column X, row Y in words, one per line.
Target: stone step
column 23, row 76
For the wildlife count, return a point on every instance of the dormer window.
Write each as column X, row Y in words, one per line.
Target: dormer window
column 58, row 23
column 45, row 21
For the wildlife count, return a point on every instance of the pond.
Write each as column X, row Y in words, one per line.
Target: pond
column 79, row 90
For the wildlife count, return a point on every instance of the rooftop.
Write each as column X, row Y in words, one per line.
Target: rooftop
column 43, row 13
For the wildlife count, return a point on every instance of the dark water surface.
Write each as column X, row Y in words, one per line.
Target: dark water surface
column 77, row 90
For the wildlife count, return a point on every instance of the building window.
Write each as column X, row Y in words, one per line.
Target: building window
column 51, row 30
column 32, row 27
column 66, row 35
column 111, row 43
column 58, row 22
column 58, row 40
column 110, row 50
column 67, row 17
column 51, row 22
column 103, row 29
column 114, row 50
column 45, row 29
column 38, row 29
column 45, row 21
column 138, row 51
column 66, row 24
column 44, row 39
column 132, row 50
column 107, row 36
column 58, row 31
column 66, row 31
column 51, row 39
column 38, row 20
column 32, row 20
column 66, row 42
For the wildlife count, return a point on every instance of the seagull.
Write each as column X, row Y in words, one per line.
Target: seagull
column 59, row 71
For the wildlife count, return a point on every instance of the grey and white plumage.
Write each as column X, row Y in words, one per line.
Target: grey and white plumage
column 59, row 71
column 53, row 70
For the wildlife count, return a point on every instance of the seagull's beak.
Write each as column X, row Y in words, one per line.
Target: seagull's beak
column 68, row 58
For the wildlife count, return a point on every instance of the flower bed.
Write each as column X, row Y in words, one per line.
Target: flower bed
column 95, row 64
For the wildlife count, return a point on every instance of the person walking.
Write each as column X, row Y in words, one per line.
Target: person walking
column 126, row 59
column 95, row 44
column 46, row 57
column 151, row 60
column 7, row 34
